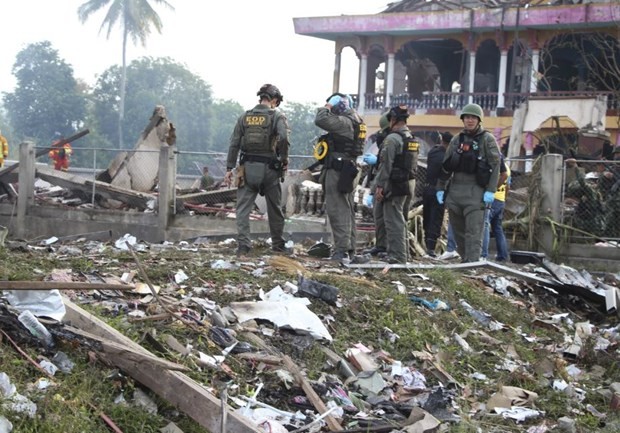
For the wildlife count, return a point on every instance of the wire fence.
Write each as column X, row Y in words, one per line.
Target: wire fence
column 591, row 200
column 113, row 179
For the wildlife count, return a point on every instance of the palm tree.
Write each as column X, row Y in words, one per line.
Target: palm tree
column 135, row 17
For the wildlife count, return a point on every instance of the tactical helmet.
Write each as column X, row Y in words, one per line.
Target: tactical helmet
column 397, row 113
column 384, row 122
column 272, row 92
column 474, row 110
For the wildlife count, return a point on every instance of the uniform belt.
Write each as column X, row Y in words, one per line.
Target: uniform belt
column 258, row 158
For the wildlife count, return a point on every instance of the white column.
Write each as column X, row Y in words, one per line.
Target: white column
column 534, row 71
column 363, row 76
column 501, row 84
column 472, row 75
column 336, row 82
column 389, row 84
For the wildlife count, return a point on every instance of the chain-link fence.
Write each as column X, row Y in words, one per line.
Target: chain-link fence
column 98, row 178
column 591, row 200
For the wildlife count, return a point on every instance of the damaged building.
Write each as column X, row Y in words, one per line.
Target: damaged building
column 437, row 56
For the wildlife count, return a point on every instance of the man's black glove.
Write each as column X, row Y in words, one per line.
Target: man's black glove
column 61, row 153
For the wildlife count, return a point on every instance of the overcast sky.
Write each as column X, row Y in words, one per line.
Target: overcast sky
column 235, row 45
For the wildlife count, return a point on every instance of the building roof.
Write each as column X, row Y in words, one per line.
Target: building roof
column 442, row 17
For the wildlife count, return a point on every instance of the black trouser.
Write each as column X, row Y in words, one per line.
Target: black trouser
column 432, row 218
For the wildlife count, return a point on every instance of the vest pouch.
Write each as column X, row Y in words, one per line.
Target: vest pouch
column 452, row 163
column 400, row 189
column 346, row 181
column 483, row 173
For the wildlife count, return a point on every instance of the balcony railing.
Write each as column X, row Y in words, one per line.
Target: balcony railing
column 448, row 102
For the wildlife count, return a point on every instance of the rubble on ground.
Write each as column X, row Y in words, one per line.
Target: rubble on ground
column 277, row 315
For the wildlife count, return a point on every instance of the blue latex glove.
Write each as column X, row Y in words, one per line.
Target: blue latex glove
column 369, row 200
column 488, row 198
column 334, row 100
column 439, row 195
column 370, row 159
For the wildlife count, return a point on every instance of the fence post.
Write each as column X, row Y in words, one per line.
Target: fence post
column 167, row 184
column 25, row 197
column 551, row 200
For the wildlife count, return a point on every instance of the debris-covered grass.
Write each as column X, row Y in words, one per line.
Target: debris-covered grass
column 503, row 342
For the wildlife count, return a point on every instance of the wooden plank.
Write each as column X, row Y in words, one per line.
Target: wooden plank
column 61, row 285
column 314, row 398
column 175, row 387
column 112, row 348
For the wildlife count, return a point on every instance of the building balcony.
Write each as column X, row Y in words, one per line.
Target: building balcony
column 450, row 103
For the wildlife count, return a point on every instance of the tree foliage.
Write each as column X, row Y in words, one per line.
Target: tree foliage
column 136, row 18
column 226, row 113
column 150, row 82
column 303, row 131
column 47, row 98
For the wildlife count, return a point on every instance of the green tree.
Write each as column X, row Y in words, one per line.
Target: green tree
column 226, row 113
column 303, row 131
column 150, row 82
column 47, row 98
column 135, row 18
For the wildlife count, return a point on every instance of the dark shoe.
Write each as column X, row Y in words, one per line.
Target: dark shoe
column 374, row 251
column 392, row 260
column 243, row 250
column 339, row 256
column 281, row 250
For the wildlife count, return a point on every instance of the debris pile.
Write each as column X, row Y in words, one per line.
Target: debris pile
column 297, row 343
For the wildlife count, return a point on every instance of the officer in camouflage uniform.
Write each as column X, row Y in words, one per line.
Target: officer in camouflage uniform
column 470, row 171
column 589, row 214
column 261, row 138
column 398, row 161
column 339, row 171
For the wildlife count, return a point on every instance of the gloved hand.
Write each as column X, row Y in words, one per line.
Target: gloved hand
column 439, row 195
column 369, row 200
column 370, row 159
column 334, row 100
column 488, row 198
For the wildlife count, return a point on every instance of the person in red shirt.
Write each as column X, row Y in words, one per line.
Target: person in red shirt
column 60, row 155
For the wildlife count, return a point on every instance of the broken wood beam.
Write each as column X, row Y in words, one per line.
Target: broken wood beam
column 314, row 398
column 61, row 285
column 180, row 390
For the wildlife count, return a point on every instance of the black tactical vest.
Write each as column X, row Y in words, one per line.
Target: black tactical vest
column 258, row 136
